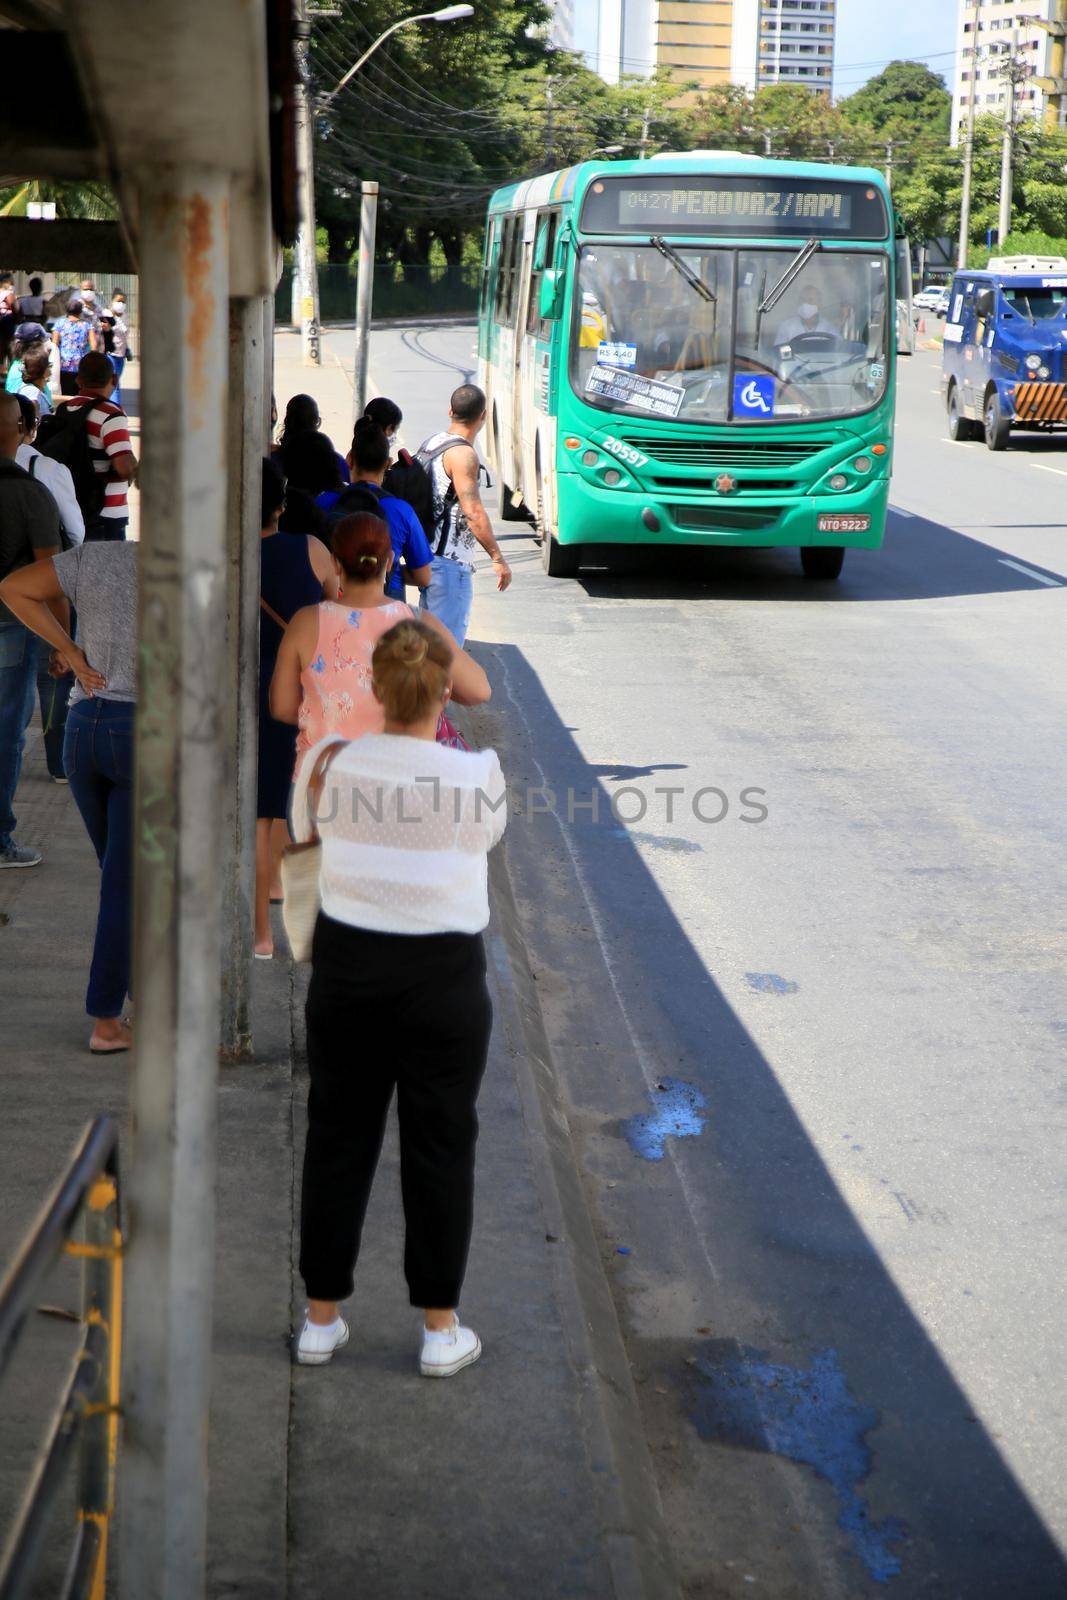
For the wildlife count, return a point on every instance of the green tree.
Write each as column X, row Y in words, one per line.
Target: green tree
column 439, row 116
column 92, row 202
column 905, row 100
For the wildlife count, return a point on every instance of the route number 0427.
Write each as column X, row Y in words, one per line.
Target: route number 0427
column 625, row 452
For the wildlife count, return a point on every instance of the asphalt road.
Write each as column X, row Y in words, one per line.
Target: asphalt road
column 814, row 1063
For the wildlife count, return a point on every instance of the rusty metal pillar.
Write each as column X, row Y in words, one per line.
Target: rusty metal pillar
column 245, row 430
column 182, row 690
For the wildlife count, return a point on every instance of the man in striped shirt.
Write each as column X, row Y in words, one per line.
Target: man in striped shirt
column 109, row 446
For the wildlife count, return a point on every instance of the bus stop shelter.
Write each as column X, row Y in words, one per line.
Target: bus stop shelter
column 185, row 110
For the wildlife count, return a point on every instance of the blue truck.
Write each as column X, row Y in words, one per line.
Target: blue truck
column 1005, row 358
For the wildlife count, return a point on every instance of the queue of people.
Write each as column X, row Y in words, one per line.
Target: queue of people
column 352, row 679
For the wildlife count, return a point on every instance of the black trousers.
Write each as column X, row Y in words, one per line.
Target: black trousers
column 385, row 1010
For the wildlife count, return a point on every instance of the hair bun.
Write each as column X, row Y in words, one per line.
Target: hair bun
column 415, row 653
column 367, row 560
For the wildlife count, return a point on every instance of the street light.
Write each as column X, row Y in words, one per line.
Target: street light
column 607, row 150
column 446, row 14
column 307, row 265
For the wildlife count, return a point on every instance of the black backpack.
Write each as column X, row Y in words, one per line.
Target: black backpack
column 408, row 480
column 64, row 437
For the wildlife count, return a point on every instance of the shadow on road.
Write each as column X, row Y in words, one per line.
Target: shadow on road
column 920, row 560
column 842, row 1376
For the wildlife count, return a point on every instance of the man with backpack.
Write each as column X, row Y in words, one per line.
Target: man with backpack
column 460, row 521
column 29, row 531
column 90, row 437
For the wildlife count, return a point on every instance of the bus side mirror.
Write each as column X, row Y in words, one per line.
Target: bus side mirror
column 985, row 302
column 551, row 295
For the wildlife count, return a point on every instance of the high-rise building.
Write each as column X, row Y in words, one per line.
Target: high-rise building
column 561, row 24
column 751, row 42
column 992, row 32
column 796, row 43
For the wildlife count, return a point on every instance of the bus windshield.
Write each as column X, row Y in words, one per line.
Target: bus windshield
column 679, row 332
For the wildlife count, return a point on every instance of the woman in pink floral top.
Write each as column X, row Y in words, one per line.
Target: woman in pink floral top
column 322, row 679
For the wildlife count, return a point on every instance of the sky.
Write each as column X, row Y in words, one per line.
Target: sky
column 919, row 29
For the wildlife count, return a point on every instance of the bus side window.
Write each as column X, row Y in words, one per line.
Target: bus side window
column 511, row 232
column 550, row 221
column 490, row 268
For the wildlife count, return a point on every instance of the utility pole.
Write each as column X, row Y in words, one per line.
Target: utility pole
column 1014, row 71
column 646, row 118
column 368, row 224
column 550, row 123
column 306, row 264
column 889, row 164
column 968, row 149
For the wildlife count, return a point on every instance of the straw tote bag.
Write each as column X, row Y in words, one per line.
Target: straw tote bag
column 301, row 866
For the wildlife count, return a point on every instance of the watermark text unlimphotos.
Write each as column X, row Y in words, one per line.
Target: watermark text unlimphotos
column 706, row 804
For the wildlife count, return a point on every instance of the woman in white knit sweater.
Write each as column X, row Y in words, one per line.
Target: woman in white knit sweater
column 398, row 996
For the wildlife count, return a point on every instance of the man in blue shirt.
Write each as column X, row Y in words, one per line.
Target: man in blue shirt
column 412, row 556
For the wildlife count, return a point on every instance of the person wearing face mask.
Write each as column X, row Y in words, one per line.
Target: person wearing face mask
column 118, row 347
column 807, row 319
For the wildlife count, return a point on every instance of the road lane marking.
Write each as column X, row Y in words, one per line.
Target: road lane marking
column 1060, row 472
column 957, row 444
column 1053, row 583
column 898, row 511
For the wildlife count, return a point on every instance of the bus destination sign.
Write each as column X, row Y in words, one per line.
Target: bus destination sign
column 741, row 206
column 830, row 208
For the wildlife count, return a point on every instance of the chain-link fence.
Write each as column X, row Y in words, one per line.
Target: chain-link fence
column 398, row 292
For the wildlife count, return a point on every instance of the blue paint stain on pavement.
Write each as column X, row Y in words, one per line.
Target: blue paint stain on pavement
column 678, row 1113
column 806, row 1416
column 770, row 983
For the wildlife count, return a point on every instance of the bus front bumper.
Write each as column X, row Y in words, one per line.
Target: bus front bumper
column 588, row 514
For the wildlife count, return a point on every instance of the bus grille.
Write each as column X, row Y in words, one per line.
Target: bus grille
column 725, row 452
column 720, row 519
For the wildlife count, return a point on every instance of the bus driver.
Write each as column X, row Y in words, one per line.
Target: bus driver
column 808, row 317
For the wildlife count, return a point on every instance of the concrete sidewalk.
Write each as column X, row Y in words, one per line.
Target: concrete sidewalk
column 359, row 1477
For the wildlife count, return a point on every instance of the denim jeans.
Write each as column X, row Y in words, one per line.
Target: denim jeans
column 449, row 595
column 99, row 759
column 53, row 694
column 18, row 674
column 112, row 528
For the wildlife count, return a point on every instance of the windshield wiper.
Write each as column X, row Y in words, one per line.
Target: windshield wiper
column 693, row 279
column 795, row 267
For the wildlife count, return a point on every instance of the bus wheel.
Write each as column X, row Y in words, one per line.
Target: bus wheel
column 559, row 560
column 997, row 425
column 822, row 560
column 959, row 426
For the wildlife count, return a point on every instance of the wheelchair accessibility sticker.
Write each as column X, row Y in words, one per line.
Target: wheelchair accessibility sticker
column 753, row 395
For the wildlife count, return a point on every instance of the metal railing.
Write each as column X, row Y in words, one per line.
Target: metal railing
column 89, row 1412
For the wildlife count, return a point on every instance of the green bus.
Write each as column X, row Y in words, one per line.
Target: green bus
column 696, row 349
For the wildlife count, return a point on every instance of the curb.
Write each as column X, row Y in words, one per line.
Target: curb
column 633, row 1529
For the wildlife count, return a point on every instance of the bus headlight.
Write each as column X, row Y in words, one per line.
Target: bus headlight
column 839, row 481
column 612, row 477
column 1033, row 363
column 862, row 463
column 590, row 458
column 1042, row 372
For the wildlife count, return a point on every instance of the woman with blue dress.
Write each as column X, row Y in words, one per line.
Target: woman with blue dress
column 296, row 571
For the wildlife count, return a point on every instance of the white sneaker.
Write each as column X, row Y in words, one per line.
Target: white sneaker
column 446, row 1353
column 318, row 1342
